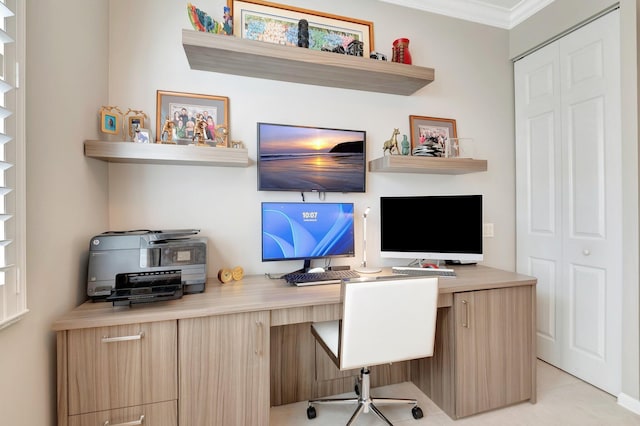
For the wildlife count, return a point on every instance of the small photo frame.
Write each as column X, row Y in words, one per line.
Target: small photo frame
column 142, row 136
column 184, row 108
column 110, row 120
column 133, row 119
column 439, row 130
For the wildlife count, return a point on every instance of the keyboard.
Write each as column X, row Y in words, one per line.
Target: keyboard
column 423, row 272
column 327, row 277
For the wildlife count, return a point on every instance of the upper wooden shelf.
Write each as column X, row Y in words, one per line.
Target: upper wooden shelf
column 433, row 165
column 153, row 153
column 232, row 55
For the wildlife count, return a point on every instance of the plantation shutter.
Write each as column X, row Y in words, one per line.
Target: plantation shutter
column 13, row 295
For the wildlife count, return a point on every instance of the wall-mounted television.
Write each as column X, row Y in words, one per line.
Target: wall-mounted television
column 438, row 227
column 310, row 159
column 305, row 231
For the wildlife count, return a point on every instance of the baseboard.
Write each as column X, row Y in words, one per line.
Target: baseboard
column 629, row 403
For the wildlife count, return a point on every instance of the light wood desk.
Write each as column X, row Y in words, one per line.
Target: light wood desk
column 227, row 355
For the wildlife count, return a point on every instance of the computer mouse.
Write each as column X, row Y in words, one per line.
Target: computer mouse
column 429, row 265
column 315, row 270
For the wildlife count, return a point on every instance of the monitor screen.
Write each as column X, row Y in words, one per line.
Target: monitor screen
column 441, row 227
column 310, row 159
column 307, row 231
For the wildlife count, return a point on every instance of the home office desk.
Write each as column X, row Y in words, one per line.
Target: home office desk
column 227, row 355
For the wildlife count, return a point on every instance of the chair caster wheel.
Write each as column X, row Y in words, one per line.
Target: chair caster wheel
column 415, row 411
column 311, row 412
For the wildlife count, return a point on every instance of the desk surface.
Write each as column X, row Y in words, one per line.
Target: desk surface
column 258, row 293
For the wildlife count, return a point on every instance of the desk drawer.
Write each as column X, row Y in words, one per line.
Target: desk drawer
column 306, row 314
column 160, row 414
column 121, row 366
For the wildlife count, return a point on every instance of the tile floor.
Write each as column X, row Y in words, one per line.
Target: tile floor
column 562, row 400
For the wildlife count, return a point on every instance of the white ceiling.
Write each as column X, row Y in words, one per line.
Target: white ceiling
column 497, row 13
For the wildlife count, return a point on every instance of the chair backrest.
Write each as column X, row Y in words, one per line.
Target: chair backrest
column 387, row 320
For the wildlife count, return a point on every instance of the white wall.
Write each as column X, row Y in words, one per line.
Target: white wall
column 66, row 83
column 472, row 85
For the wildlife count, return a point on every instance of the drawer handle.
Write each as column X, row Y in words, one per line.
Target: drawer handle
column 107, row 339
column 465, row 322
column 140, row 421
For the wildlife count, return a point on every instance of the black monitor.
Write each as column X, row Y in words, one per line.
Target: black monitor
column 306, row 231
column 440, row 227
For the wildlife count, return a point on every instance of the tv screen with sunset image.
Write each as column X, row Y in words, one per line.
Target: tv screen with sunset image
column 310, row 159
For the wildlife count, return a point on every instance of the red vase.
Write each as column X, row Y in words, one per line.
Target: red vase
column 400, row 51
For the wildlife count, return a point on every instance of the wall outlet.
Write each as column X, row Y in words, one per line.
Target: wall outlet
column 487, row 230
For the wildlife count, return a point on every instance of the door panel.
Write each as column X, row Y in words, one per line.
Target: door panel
column 569, row 201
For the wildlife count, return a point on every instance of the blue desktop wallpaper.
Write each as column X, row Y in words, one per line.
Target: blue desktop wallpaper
column 307, row 230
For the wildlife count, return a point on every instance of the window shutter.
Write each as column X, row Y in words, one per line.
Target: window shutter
column 13, row 295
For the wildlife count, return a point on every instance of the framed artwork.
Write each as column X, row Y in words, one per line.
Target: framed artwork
column 184, row 109
column 431, row 129
column 277, row 23
column 110, row 120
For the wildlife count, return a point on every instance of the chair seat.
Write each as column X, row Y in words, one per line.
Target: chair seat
column 329, row 334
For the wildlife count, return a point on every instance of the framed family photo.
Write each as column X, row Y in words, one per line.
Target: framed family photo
column 433, row 129
column 277, row 23
column 184, row 109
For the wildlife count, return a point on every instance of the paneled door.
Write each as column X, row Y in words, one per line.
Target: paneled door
column 569, row 201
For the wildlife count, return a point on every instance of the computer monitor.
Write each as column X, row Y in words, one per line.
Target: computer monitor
column 441, row 227
column 306, row 231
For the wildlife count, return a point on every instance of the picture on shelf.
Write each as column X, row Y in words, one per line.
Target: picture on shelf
column 110, row 119
column 430, row 135
column 185, row 109
column 278, row 24
column 142, row 136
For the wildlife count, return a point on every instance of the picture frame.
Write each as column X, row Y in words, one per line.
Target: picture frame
column 251, row 18
column 133, row 119
column 422, row 128
column 183, row 109
column 142, row 136
column 110, row 120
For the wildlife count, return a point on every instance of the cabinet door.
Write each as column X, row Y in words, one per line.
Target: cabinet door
column 161, row 414
column 121, row 366
column 495, row 350
column 224, row 370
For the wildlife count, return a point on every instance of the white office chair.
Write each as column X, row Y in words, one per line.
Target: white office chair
column 383, row 321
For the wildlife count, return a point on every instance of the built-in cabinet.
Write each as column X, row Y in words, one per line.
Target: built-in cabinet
column 486, row 378
column 224, row 370
column 119, row 373
column 470, row 372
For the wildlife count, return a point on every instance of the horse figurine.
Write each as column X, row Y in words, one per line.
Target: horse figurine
column 392, row 143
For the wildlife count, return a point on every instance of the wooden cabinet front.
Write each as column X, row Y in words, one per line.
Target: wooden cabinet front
column 121, row 366
column 494, row 348
column 224, row 370
column 160, row 414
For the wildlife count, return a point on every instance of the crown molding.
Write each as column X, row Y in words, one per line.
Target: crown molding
column 478, row 11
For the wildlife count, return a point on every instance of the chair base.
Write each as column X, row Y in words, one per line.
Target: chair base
column 364, row 402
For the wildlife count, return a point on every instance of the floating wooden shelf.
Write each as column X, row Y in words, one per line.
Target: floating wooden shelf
column 232, row 55
column 131, row 152
column 433, row 165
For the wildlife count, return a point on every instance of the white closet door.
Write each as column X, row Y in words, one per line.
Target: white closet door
column 568, row 160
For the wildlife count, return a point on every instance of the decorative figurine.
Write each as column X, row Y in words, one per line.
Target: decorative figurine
column 391, row 144
column 200, row 130
column 237, row 144
column 355, row 48
column 400, row 51
column 406, row 147
column 303, row 33
column 166, row 136
column 227, row 27
column 378, row 56
column 220, row 137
